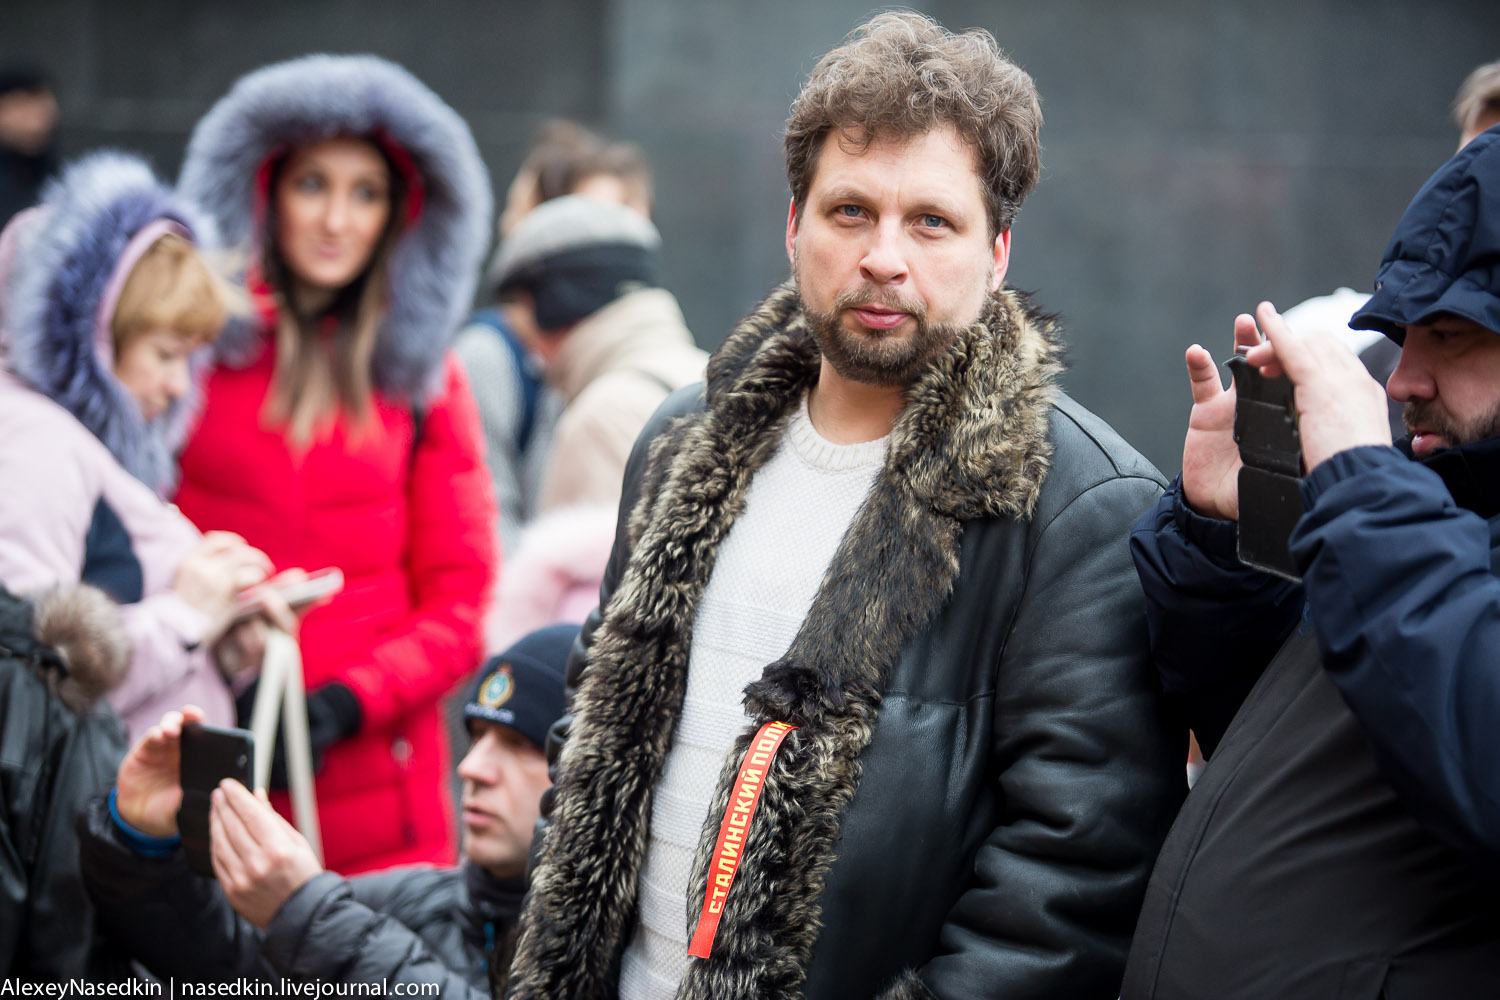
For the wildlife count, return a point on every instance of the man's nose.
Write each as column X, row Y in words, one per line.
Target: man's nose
column 1412, row 378
column 884, row 261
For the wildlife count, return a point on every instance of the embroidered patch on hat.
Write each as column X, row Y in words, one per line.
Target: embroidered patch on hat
column 497, row 688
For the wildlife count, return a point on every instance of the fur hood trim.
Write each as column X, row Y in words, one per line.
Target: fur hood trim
column 972, row 443
column 69, row 252
column 436, row 262
column 73, row 637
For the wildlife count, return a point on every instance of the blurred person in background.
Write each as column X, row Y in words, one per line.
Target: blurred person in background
column 60, row 653
column 582, row 276
column 1477, row 106
column 108, row 303
column 567, row 158
column 337, row 429
column 517, row 408
column 274, row 912
column 28, row 125
column 579, row 276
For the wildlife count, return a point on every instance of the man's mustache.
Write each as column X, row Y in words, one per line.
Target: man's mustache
column 885, row 298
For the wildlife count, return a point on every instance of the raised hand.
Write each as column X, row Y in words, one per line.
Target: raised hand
column 1339, row 405
column 148, row 790
column 1210, row 458
column 260, row 859
column 211, row 576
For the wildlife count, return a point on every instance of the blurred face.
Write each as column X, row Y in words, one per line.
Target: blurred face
column 27, row 121
column 892, row 253
column 504, row 776
column 153, row 368
column 520, row 199
column 1449, row 379
column 1484, row 118
column 332, row 203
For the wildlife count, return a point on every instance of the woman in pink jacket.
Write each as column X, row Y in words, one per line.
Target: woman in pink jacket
column 338, row 431
column 106, row 300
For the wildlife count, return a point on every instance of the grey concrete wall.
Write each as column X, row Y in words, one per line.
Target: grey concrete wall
column 1198, row 156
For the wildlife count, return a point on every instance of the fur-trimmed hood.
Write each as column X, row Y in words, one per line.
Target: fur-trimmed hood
column 436, row 262
column 972, row 444
column 73, row 637
column 66, row 254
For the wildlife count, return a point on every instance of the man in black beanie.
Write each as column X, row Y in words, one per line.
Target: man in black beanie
column 582, row 273
column 276, row 914
column 28, row 123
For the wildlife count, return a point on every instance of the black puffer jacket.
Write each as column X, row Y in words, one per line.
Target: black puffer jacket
column 981, row 776
column 58, row 747
column 444, row 926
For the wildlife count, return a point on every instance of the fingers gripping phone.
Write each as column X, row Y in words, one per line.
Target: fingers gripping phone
column 209, row 755
column 298, row 594
column 1270, row 498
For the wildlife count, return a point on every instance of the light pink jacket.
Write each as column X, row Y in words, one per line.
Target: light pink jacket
column 54, row 475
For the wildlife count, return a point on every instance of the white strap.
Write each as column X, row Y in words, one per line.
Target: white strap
column 282, row 686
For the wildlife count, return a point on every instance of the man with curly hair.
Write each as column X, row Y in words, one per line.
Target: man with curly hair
column 867, row 709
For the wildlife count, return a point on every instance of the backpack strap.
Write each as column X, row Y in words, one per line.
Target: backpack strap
column 526, row 374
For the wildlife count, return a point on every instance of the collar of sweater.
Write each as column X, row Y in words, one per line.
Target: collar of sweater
column 634, row 331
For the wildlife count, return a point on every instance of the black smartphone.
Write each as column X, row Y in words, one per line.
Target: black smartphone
column 1265, row 429
column 209, row 755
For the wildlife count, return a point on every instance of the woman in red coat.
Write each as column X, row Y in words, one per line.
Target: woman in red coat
column 338, row 431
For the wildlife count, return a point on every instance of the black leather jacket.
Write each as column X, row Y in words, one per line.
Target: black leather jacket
column 53, row 758
column 1019, row 782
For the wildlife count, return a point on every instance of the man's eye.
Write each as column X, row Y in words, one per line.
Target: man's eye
column 933, row 221
column 849, row 211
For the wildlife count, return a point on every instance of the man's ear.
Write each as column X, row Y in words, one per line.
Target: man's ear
column 791, row 232
column 1002, row 260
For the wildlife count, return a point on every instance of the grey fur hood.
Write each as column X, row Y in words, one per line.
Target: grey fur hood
column 66, row 254
column 73, row 637
column 436, row 262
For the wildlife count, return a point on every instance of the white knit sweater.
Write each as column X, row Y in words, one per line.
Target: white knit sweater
column 797, row 510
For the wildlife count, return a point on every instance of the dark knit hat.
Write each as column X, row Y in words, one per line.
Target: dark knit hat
column 523, row 687
column 575, row 255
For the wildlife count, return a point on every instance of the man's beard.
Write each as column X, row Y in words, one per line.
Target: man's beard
column 1437, row 420
column 879, row 357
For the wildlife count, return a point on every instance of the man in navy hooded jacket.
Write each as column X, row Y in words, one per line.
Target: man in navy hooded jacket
column 1345, row 837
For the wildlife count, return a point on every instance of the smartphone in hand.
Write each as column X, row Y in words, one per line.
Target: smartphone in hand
column 209, row 755
column 298, row 594
column 1265, row 429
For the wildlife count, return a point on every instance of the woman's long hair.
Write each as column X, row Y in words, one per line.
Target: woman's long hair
column 323, row 360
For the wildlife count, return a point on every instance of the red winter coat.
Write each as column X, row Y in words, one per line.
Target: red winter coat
column 412, row 530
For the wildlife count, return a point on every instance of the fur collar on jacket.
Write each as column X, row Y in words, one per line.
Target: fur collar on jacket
column 436, row 263
column 72, row 637
column 67, row 254
column 971, row 444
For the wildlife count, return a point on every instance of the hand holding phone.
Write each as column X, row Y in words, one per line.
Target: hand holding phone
column 148, row 791
column 209, row 754
column 1270, row 446
column 299, row 591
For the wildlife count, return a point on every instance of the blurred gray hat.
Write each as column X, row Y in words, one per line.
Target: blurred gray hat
column 564, row 225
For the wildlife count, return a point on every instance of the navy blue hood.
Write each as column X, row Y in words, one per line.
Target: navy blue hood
column 1445, row 254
